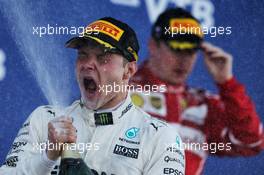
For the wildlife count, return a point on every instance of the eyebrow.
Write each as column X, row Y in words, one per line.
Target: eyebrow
column 87, row 53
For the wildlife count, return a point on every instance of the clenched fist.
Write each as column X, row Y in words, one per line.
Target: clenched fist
column 60, row 130
column 218, row 62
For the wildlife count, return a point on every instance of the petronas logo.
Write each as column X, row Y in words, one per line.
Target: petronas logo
column 132, row 132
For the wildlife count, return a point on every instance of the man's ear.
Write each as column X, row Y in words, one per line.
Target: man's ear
column 130, row 70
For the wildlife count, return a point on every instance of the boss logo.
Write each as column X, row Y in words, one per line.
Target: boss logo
column 125, row 151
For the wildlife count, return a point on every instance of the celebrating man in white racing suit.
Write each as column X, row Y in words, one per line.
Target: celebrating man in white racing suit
column 112, row 135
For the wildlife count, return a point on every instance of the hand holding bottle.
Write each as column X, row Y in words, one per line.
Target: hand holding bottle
column 60, row 131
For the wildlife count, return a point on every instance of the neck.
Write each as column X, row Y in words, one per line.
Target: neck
column 116, row 100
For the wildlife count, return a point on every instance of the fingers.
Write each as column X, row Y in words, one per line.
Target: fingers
column 61, row 130
column 218, row 55
column 212, row 52
column 63, row 119
column 218, row 62
column 67, row 138
column 209, row 48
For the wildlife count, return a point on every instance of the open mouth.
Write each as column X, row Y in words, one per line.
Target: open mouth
column 90, row 85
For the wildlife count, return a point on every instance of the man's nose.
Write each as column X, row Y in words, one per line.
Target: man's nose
column 89, row 63
column 183, row 61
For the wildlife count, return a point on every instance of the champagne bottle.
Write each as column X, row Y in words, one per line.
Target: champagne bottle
column 72, row 163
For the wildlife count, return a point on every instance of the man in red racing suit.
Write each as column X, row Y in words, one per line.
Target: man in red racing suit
column 226, row 124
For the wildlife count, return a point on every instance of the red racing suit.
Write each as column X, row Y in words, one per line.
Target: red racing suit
column 226, row 124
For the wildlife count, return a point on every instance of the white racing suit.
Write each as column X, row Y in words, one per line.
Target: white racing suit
column 122, row 141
